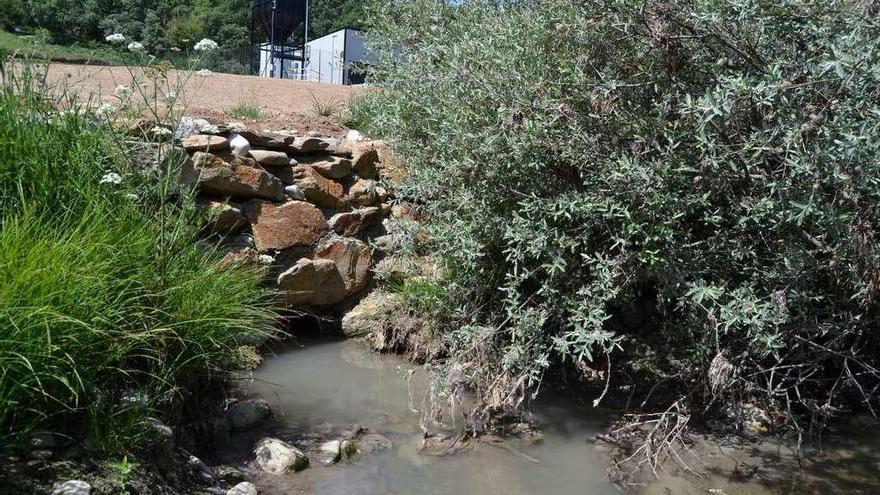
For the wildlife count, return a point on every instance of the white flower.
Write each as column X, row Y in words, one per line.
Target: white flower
column 136, row 47
column 170, row 96
column 115, row 38
column 205, row 73
column 111, row 178
column 159, row 131
column 174, row 49
column 266, row 259
column 105, row 110
column 122, row 91
column 206, row 45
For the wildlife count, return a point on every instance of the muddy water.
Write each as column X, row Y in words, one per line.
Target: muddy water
column 320, row 391
column 323, row 389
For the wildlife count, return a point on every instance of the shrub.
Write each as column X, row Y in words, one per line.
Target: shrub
column 685, row 182
column 107, row 303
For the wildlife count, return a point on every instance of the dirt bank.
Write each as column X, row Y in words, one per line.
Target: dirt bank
column 282, row 103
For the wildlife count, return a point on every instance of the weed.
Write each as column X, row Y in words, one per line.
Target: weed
column 245, row 110
column 326, row 108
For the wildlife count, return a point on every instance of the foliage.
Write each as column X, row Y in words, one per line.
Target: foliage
column 327, row 107
column 662, row 183
column 107, row 302
column 12, row 13
column 328, row 16
column 359, row 113
column 35, row 46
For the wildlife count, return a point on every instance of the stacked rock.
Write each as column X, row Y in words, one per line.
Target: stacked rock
column 310, row 204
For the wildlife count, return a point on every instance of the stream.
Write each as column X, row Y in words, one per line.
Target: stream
column 320, row 391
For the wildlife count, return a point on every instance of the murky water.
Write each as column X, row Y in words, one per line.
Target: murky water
column 326, row 387
column 320, row 391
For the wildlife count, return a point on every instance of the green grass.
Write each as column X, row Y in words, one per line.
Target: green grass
column 32, row 47
column 245, row 110
column 107, row 304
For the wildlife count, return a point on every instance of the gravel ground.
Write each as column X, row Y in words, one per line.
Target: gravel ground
column 284, row 104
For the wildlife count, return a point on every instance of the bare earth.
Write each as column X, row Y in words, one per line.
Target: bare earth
column 284, row 104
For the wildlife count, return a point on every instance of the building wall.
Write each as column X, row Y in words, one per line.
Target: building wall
column 329, row 59
column 326, row 60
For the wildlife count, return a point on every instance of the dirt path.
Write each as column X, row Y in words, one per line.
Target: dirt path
column 283, row 103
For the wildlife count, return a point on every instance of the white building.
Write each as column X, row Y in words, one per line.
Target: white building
column 332, row 58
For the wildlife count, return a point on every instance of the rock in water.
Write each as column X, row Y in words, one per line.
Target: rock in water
column 243, row 488
column 336, row 450
column 278, row 457
column 277, row 227
column 228, row 474
column 73, row 487
column 312, row 283
column 372, row 442
column 245, row 415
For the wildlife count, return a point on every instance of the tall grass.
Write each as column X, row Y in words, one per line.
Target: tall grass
column 107, row 305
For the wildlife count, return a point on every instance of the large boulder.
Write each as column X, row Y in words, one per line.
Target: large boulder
column 278, row 457
column 363, row 193
column 331, row 167
column 204, row 143
column 319, row 189
column 350, row 223
column 247, row 414
column 268, row 158
column 220, row 178
column 292, row 224
column 372, row 314
column 352, row 259
column 312, row 283
column 364, row 159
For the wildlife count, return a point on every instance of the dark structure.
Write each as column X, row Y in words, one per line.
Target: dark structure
column 280, row 27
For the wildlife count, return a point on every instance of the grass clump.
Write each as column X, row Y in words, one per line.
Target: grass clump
column 107, row 304
column 326, row 108
column 246, row 110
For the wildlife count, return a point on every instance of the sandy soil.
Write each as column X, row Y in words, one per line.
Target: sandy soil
column 284, row 104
